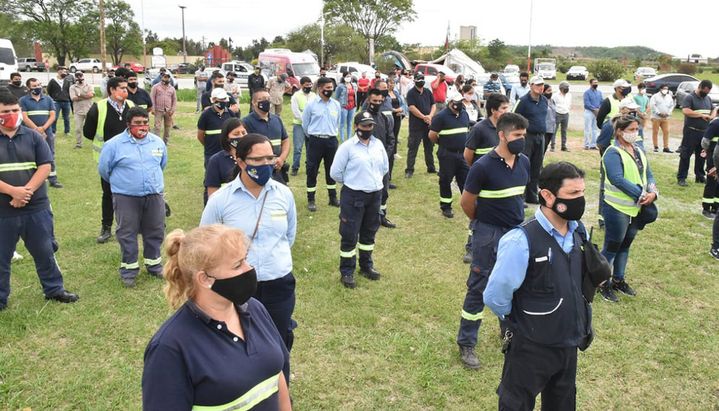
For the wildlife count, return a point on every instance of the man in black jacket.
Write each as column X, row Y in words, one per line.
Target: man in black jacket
column 59, row 89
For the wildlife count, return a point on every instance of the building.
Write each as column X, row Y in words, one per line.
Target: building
column 468, row 33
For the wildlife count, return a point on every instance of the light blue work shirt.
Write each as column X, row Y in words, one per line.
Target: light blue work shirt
column 133, row 166
column 512, row 262
column 321, row 117
column 233, row 205
column 360, row 167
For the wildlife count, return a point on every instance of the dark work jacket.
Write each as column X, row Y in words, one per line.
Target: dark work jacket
column 384, row 130
column 113, row 126
column 549, row 308
column 58, row 89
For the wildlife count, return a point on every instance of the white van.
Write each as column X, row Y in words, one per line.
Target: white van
column 8, row 61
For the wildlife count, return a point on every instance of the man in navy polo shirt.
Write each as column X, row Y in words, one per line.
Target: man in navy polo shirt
column 483, row 136
column 449, row 130
column 492, row 199
column 38, row 112
column 261, row 121
column 533, row 106
column 138, row 95
column 209, row 125
column 217, row 80
column 24, row 205
column 421, row 109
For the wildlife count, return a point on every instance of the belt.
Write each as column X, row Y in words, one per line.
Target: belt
column 323, row 136
column 696, row 129
column 461, row 150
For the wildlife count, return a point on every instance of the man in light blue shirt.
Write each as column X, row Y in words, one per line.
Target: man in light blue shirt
column 518, row 92
column 265, row 210
column 133, row 163
column 592, row 101
column 360, row 165
column 321, row 122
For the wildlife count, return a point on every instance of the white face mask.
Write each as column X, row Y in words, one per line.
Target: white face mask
column 630, row 138
column 348, row 79
column 665, row 92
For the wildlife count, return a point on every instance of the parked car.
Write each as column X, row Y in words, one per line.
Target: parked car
column 30, row 64
column 136, row 67
column 670, row 79
column 511, row 68
column 687, row 87
column 85, row 65
column 8, row 61
column 577, row 73
column 644, row 72
column 431, row 71
column 509, row 80
column 151, row 75
column 182, row 68
column 242, row 69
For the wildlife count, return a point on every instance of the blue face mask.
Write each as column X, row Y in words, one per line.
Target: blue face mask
column 260, row 174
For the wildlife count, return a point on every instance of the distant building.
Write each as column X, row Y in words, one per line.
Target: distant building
column 468, row 33
column 697, row 59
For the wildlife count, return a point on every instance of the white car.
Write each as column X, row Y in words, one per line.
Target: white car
column 85, row 65
column 644, row 72
column 511, row 69
column 577, row 73
column 354, row 69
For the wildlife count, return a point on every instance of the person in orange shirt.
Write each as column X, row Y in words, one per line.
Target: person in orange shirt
column 362, row 89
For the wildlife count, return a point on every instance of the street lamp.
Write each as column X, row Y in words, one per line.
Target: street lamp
column 529, row 47
column 184, row 46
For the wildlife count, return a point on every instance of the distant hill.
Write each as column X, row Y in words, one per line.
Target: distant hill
column 623, row 52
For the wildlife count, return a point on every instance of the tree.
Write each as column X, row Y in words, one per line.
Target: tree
column 371, row 18
column 496, row 49
column 66, row 25
column 122, row 33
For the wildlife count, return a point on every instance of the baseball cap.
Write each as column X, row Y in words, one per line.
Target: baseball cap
column 536, row 80
column 621, row 83
column 418, row 76
column 364, row 118
column 628, row 103
column 219, row 94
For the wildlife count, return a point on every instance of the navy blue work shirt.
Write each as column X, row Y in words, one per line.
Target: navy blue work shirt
column 451, row 128
column 482, row 138
column 211, row 123
column 20, row 156
column 194, row 360
column 272, row 128
column 220, row 169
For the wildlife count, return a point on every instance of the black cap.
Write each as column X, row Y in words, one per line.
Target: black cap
column 418, row 76
column 364, row 117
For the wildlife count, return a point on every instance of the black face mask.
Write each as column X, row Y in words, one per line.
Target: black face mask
column 17, row 83
column 132, row 85
column 327, row 93
column 457, row 107
column 419, row 83
column 237, row 289
column 264, row 106
column 523, row 83
column 385, row 93
column 374, row 108
column 516, row 146
column 306, row 90
column 703, row 94
column 548, row 95
column 219, row 86
column 594, row 86
column 570, row 209
column 364, row 134
column 626, row 91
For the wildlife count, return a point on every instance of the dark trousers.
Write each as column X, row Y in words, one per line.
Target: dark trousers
column 562, row 122
column 397, row 127
column 139, row 216
column 385, row 195
column 715, row 232
column 278, row 297
column 359, row 218
column 52, row 177
column 548, row 138
column 361, row 97
column 107, row 208
column 530, row 369
column 485, row 238
column 415, row 138
column 452, row 165
column 320, row 149
column 36, row 231
column 710, row 199
column 65, row 107
column 691, row 144
column 534, row 150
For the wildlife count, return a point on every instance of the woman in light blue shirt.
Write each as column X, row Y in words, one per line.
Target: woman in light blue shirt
column 346, row 94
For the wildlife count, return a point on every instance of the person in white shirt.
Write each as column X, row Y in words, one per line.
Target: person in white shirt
column 661, row 105
column 232, row 87
column 563, row 103
column 298, row 102
column 518, row 92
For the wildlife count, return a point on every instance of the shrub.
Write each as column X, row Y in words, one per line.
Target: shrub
column 687, row 68
column 606, row 70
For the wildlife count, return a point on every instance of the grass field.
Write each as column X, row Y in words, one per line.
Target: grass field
column 383, row 346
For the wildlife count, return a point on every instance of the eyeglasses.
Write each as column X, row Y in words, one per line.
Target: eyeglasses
column 262, row 159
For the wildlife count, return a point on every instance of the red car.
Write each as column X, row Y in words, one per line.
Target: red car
column 136, row 67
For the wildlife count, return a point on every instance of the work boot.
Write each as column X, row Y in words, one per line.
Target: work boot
column 348, row 281
column 311, row 206
column 447, row 212
column 682, row 182
column 370, row 273
column 384, row 222
column 105, row 235
column 294, row 172
column 467, row 259
column 469, row 358
column 334, row 202
column 700, row 180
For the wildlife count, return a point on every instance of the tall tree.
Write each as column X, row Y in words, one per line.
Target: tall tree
column 122, row 32
column 371, row 18
column 63, row 24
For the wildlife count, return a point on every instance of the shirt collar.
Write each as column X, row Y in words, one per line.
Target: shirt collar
column 237, row 184
column 117, row 107
column 258, row 118
column 202, row 316
column 549, row 228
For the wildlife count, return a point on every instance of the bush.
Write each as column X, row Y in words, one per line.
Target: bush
column 606, row 70
column 687, row 68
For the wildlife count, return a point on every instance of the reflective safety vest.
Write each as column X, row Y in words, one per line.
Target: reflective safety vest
column 99, row 139
column 615, row 197
column 256, row 395
column 301, row 104
column 614, row 108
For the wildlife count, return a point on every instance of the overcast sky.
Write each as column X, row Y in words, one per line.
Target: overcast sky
column 560, row 23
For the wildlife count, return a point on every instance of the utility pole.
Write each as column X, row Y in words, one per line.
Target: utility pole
column 103, row 53
column 144, row 42
column 322, row 40
column 184, row 46
column 529, row 48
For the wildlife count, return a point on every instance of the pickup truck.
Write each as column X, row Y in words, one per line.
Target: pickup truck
column 29, row 64
column 85, row 65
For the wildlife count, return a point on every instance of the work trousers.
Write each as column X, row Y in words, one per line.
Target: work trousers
column 534, row 150
column 276, row 109
column 548, row 138
column 346, row 120
column 52, row 177
column 530, row 369
column 385, row 195
column 79, row 123
column 662, row 123
column 691, row 144
column 201, row 90
column 144, row 216
column 715, row 232
column 320, row 149
column 107, row 208
column 563, row 122
column 298, row 142
column 620, row 231
column 163, row 118
column 278, row 297
column 415, row 138
column 65, row 107
column 36, row 231
column 710, row 199
column 452, row 165
column 485, row 239
column 359, row 218
column 397, row 127
column 591, row 132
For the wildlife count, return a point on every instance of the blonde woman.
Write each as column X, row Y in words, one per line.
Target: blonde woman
column 220, row 350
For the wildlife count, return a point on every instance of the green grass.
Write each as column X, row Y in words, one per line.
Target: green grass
column 387, row 345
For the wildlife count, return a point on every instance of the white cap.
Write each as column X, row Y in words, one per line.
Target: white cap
column 219, row 94
column 628, row 103
column 455, row 97
column 536, row 80
column 621, row 83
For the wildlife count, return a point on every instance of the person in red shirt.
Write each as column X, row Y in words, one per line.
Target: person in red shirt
column 377, row 76
column 439, row 92
column 362, row 88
